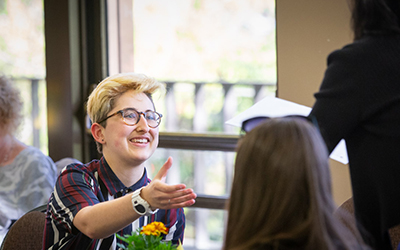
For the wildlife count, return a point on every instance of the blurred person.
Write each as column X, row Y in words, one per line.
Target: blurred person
column 27, row 176
column 281, row 193
column 359, row 101
column 92, row 202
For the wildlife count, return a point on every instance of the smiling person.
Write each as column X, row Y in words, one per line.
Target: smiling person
column 92, row 202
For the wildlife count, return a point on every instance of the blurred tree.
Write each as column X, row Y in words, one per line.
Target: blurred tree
column 22, row 50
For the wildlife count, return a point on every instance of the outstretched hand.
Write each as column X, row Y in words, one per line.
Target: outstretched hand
column 161, row 195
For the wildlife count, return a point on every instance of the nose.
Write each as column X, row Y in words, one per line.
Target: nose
column 142, row 124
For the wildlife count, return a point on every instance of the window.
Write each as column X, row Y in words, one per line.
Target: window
column 217, row 57
column 23, row 60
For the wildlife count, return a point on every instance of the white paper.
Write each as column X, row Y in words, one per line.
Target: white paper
column 276, row 107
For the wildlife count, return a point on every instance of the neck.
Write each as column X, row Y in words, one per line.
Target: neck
column 128, row 174
column 7, row 144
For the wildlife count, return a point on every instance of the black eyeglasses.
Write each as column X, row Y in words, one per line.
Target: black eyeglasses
column 131, row 117
column 251, row 123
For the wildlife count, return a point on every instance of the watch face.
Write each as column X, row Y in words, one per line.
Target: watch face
column 140, row 208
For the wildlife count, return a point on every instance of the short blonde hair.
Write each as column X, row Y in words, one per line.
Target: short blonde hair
column 10, row 106
column 103, row 98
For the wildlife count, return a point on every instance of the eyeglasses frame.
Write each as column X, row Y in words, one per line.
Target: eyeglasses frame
column 140, row 115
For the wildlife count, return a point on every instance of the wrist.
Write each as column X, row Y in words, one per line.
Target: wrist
column 140, row 205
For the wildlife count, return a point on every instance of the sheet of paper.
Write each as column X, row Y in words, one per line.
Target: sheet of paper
column 276, row 107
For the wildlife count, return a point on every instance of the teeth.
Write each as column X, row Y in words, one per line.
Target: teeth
column 139, row 140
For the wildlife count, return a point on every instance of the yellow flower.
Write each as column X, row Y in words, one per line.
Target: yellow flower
column 179, row 247
column 148, row 237
column 155, row 228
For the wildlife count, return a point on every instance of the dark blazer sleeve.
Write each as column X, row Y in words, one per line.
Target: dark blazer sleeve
column 339, row 100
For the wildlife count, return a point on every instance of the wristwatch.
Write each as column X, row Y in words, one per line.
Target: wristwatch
column 140, row 205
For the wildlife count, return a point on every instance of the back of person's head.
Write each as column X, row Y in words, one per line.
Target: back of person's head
column 281, row 192
column 375, row 17
column 103, row 98
column 10, row 107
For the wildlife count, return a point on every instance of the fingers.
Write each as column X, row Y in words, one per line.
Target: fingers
column 162, row 173
column 178, row 196
column 161, row 195
column 180, row 201
column 187, row 199
column 162, row 191
column 166, row 188
column 164, row 196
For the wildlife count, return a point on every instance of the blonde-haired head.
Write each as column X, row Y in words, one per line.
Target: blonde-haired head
column 103, row 98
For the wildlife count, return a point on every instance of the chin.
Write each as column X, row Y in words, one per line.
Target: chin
column 142, row 157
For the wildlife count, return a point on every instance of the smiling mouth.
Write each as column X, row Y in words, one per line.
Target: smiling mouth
column 139, row 140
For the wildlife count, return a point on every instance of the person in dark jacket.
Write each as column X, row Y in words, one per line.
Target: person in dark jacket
column 359, row 101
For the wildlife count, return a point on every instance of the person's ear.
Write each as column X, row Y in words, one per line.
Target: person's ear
column 97, row 132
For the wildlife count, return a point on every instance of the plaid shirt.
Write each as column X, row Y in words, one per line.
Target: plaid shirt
column 81, row 185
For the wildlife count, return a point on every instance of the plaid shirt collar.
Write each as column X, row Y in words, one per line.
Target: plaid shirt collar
column 113, row 184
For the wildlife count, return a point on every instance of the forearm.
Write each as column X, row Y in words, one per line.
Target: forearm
column 105, row 218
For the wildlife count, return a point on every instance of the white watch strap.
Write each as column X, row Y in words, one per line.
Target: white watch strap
column 140, row 205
